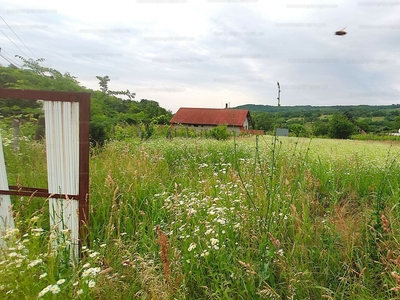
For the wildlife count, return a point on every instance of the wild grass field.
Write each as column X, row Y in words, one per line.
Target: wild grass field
column 248, row 218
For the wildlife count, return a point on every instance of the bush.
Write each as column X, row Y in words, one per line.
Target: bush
column 340, row 127
column 99, row 131
column 220, row 132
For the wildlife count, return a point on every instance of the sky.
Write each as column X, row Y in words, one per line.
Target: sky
column 209, row 53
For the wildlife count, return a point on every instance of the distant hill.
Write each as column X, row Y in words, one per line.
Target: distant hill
column 369, row 118
column 320, row 109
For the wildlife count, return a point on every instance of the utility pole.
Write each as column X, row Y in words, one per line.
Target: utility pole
column 279, row 94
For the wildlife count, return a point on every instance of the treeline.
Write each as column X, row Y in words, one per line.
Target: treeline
column 320, row 121
column 108, row 109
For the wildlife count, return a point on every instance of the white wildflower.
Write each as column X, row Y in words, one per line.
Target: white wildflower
column 91, row 283
column 91, row 271
column 214, row 241
column 221, row 221
column 208, row 231
column 34, row 219
column 94, row 254
column 34, row 263
column 55, row 289
column 192, row 246
column 44, row 291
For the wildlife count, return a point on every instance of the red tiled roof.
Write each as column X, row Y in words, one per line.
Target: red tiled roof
column 210, row 116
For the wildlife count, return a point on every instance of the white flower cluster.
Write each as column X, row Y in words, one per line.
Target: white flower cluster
column 91, row 272
column 34, row 263
column 10, row 233
column 53, row 288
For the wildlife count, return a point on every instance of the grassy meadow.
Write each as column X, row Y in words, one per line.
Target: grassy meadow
column 247, row 218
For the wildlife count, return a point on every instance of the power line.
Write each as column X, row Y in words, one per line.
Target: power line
column 2, row 50
column 14, row 43
column 18, row 37
column 7, row 60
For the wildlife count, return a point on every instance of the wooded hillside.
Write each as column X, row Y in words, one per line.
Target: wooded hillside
column 108, row 108
column 314, row 120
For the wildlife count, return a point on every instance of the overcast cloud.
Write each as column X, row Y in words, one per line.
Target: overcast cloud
column 207, row 53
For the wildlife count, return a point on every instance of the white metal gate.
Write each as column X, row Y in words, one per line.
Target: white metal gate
column 6, row 218
column 67, row 152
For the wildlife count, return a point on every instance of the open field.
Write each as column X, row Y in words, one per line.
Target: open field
column 251, row 218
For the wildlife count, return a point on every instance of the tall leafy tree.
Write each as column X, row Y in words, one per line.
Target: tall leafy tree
column 396, row 123
column 103, row 82
column 340, row 127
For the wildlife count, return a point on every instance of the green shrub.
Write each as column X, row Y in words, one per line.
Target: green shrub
column 220, row 132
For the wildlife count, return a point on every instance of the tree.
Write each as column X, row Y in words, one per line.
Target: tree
column 340, row 127
column 298, row 130
column 396, row 123
column 127, row 93
column 103, row 83
column 363, row 125
column 33, row 65
column 262, row 121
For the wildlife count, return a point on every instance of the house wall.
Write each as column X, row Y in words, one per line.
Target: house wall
column 246, row 124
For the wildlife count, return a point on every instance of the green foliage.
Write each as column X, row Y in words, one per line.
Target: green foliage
column 262, row 121
column 147, row 129
column 396, row 123
column 107, row 110
column 374, row 119
column 220, row 132
column 298, row 130
column 340, row 127
column 268, row 218
column 100, row 128
column 103, row 82
column 320, row 129
column 375, row 137
column 363, row 125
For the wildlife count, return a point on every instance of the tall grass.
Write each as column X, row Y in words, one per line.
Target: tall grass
column 250, row 218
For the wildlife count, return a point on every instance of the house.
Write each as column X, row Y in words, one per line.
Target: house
column 237, row 120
